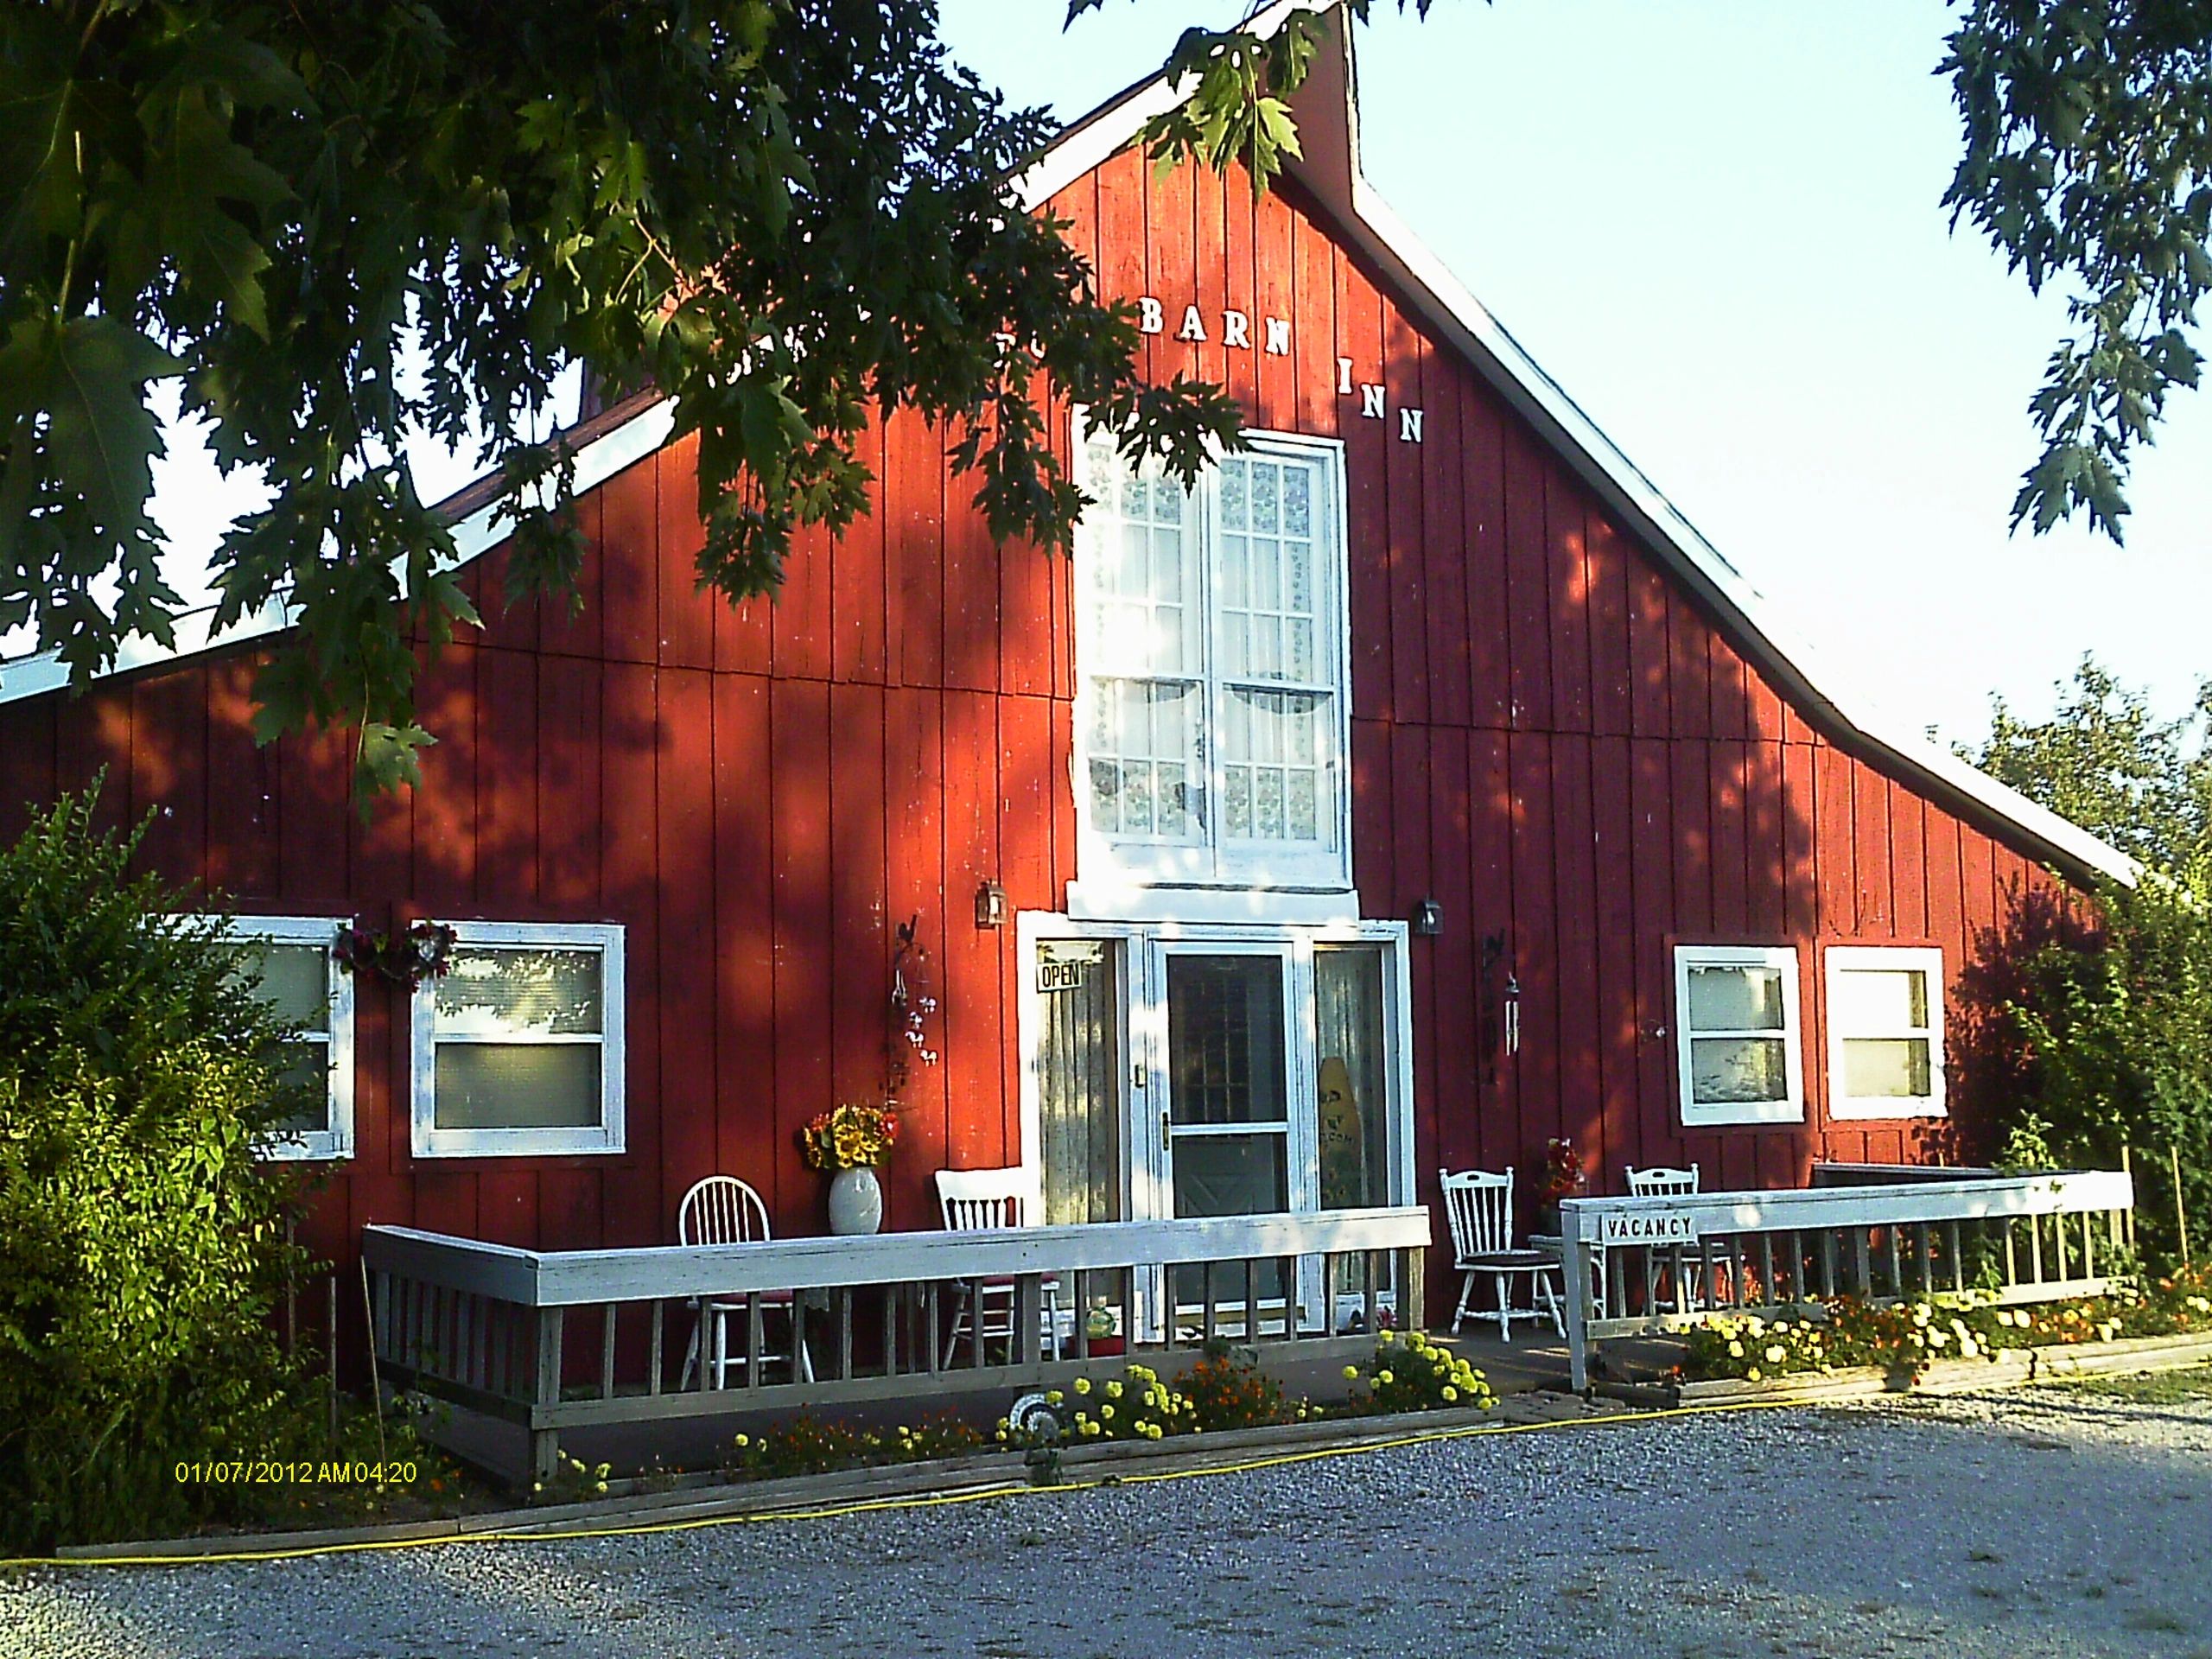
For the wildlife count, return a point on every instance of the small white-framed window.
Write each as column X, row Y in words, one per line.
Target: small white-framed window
column 1213, row 705
column 301, row 979
column 1739, row 1034
column 516, row 1047
column 1885, row 1031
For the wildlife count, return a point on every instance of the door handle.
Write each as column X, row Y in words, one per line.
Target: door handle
column 1166, row 1129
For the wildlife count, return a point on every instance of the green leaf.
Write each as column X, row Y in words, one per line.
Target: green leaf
column 102, row 439
column 390, row 756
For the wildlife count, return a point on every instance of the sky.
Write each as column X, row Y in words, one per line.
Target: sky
column 1716, row 223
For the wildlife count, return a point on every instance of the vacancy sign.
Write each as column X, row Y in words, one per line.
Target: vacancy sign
column 1616, row 1229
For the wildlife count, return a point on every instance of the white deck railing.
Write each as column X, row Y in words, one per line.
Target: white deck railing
column 1637, row 1266
column 490, row 1327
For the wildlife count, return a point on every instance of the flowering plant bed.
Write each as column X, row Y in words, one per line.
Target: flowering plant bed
column 1905, row 1339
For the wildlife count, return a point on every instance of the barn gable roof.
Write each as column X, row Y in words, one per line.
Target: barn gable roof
column 1328, row 116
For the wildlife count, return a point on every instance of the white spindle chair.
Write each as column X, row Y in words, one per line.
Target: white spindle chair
column 973, row 1200
column 1659, row 1182
column 1479, row 1206
column 722, row 1209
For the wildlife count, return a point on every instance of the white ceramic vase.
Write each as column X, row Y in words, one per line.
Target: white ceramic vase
column 855, row 1202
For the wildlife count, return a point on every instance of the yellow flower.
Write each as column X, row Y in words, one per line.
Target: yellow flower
column 1054, row 1396
column 1450, row 1394
column 1776, row 1354
column 1113, row 1390
column 1106, row 1412
column 1351, row 1373
column 1083, row 1385
column 1735, row 1351
column 1753, row 1374
column 1384, row 1377
column 1383, row 1337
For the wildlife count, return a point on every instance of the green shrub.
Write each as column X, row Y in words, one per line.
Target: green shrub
column 142, row 1243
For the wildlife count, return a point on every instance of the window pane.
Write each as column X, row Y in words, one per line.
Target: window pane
column 1226, row 1041
column 518, row 1086
column 1354, row 1124
column 1271, row 766
column 1737, row 999
column 1728, row 1070
column 307, row 1068
column 1879, row 999
column 295, row 981
column 496, row 992
column 1886, row 1068
column 1144, row 774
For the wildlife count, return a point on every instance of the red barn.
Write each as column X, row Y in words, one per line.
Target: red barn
column 1419, row 788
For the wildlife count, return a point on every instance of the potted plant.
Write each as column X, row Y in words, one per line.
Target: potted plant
column 1101, row 1329
column 1563, row 1177
column 852, row 1139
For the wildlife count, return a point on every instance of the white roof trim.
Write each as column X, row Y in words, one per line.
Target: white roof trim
column 1493, row 352
column 479, row 532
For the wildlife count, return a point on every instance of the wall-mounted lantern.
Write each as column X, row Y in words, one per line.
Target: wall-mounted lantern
column 990, row 905
column 1428, row 919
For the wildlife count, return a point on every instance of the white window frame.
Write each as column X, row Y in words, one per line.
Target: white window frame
column 608, row 1134
column 1112, row 872
column 1726, row 1113
column 335, row 1139
column 1892, row 958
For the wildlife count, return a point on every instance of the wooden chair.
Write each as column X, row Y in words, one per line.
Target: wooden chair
column 1479, row 1206
column 1659, row 1182
column 974, row 1200
column 722, row 1209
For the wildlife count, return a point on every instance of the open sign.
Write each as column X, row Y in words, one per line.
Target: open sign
column 1619, row 1228
column 1065, row 967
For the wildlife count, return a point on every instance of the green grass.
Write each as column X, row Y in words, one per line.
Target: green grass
column 2153, row 1388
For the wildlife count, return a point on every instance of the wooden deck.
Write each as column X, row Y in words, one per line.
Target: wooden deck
column 568, row 1340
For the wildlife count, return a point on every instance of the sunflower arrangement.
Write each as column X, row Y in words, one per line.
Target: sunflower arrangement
column 850, row 1137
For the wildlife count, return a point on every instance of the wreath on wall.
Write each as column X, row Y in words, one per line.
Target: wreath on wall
column 423, row 951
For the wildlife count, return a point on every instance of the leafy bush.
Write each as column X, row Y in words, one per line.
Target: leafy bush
column 142, row 1243
column 2082, row 1029
column 1413, row 1373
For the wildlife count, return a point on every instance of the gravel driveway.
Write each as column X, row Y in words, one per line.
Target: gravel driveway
column 2043, row 1522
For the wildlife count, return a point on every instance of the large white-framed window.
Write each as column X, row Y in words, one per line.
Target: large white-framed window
column 1213, row 705
column 301, row 979
column 517, row 1048
column 1885, row 1031
column 1739, row 1034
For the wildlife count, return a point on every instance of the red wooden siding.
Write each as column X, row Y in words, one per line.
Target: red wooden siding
column 1547, row 737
